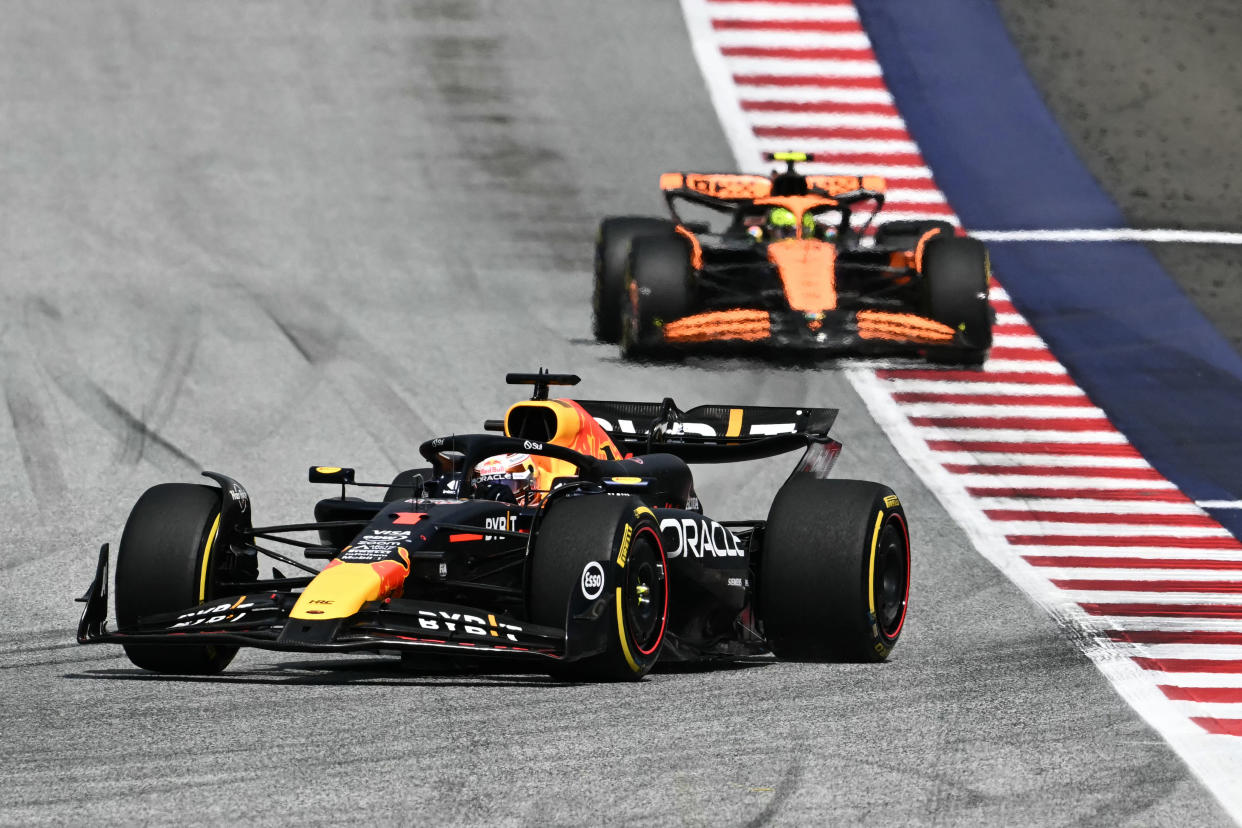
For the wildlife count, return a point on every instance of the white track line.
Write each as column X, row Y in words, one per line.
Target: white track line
column 776, row 11
column 820, row 67
column 1088, row 506
column 792, row 39
column 814, row 94
column 1120, row 234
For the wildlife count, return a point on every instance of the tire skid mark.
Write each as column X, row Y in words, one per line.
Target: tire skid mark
column 35, row 441
column 791, row 782
column 314, row 330
column 92, row 399
column 167, row 390
column 307, row 339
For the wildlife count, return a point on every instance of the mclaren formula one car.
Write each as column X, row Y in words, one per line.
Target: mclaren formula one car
column 780, row 262
column 574, row 537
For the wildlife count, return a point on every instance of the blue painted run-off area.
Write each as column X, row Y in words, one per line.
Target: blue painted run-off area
column 1119, row 323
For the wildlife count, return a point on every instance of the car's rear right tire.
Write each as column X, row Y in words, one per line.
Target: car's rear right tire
column 834, row 575
column 612, row 247
column 658, row 283
column 166, row 562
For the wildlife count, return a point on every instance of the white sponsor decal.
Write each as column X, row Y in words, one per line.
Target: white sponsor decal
column 592, row 581
column 441, row 621
column 377, row 545
column 212, row 615
column 699, row 537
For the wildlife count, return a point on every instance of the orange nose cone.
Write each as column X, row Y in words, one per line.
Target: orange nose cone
column 808, row 272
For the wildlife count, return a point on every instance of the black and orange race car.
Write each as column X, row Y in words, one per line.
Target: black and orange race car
column 789, row 261
column 574, row 538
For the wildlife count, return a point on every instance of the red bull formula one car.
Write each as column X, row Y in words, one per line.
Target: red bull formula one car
column 781, row 263
column 574, row 537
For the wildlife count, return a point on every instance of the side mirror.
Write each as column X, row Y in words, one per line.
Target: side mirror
column 331, row 474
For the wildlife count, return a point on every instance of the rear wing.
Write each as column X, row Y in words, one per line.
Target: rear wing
column 718, row 433
column 744, row 186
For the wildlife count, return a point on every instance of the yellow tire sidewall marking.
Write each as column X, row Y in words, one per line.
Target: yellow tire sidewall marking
column 625, row 647
column 202, row 578
column 875, row 541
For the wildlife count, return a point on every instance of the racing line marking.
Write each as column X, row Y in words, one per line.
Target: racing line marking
column 1149, row 585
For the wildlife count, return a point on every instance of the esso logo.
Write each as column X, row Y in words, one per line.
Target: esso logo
column 531, row 445
column 592, row 581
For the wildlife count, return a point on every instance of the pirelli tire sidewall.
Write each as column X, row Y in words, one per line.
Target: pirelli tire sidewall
column 612, row 248
column 621, row 536
column 167, row 561
column 955, row 276
column 834, row 578
column 659, row 288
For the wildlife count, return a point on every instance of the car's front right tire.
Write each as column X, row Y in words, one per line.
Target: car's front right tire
column 612, row 247
column 166, row 562
column 658, row 285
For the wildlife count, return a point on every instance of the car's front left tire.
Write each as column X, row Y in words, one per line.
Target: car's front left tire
column 616, row 539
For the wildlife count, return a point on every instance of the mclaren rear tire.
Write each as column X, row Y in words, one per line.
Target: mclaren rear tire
column 955, row 292
column 612, row 247
column 615, row 541
column 658, row 287
column 835, row 571
column 166, row 562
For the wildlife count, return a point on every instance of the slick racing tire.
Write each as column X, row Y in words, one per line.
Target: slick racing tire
column 593, row 535
column 904, row 235
column 166, row 563
column 658, row 283
column 835, row 571
column 955, row 292
column 612, row 247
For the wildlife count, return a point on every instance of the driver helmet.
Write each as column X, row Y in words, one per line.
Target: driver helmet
column 506, row 477
column 781, row 223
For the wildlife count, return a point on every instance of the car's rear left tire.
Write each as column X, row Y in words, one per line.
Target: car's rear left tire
column 600, row 531
column 658, row 283
column 834, row 576
column 612, row 247
column 166, row 562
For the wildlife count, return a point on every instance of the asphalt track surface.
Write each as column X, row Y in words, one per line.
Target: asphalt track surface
column 1147, row 92
column 251, row 237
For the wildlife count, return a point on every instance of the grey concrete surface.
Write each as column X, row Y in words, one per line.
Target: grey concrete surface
column 256, row 236
column 1147, row 92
